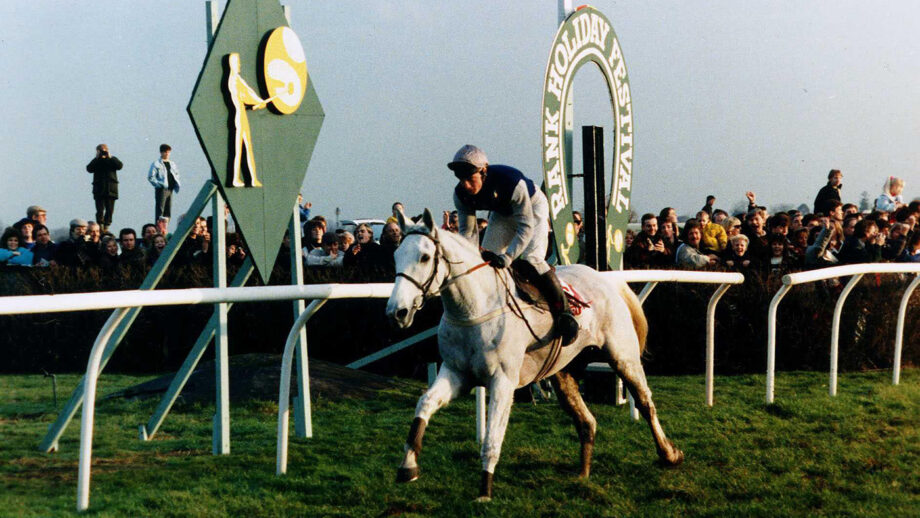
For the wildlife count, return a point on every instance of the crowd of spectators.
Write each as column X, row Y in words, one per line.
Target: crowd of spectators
column 750, row 241
column 28, row 242
column 88, row 244
column 835, row 233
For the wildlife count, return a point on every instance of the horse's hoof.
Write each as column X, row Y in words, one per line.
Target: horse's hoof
column 483, row 500
column 672, row 461
column 678, row 458
column 407, row 474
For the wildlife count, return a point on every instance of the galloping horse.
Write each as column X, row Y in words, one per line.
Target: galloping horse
column 489, row 337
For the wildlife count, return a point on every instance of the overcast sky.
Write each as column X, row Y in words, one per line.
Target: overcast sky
column 727, row 96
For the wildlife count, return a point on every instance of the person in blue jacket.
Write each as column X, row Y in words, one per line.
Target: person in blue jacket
column 12, row 253
column 518, row 225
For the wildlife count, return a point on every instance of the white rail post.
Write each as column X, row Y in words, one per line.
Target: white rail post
column 480, row 414
column 711, row 340
column 835, row 331
column 899, row 334
column 771, row 338
column 89, row 406
column 220, row 444
column 646, row 291
column 284, row 391
column 633, row 411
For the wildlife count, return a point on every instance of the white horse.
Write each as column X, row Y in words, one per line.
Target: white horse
column 485, row 341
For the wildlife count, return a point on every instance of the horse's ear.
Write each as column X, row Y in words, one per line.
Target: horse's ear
column 401, row 220
column 428, row 220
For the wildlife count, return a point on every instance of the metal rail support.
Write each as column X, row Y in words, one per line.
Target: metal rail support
column 50, row 441
column 398, row 346
column 857, row 271
column 771, row 339
column 835, row 331
column 480, row 393
column 710, row 345
column 711, row 340
column 284, row 392
column 899, row 334
column 146, row 432
column 89, row 390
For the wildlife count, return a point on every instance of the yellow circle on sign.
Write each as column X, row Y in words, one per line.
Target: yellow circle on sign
column 570, row 234
column 618, row 240
column 285, row 70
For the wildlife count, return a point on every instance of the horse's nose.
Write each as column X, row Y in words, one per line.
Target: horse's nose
column 401, row 314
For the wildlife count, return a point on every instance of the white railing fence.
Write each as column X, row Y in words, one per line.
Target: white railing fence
column 122, row 301
column 857, row 271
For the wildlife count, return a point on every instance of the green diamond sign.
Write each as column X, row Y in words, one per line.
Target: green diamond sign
column 257, row 116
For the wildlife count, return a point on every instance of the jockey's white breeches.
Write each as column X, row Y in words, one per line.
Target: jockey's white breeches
column 502, row 229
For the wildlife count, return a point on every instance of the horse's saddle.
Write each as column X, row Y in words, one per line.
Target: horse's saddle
column 525, row 280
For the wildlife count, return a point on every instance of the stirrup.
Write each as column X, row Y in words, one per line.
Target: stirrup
column 566, row 327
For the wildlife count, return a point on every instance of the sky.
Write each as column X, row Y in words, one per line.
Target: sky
column 727, row 97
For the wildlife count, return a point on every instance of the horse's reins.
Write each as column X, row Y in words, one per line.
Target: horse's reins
column 555, row 343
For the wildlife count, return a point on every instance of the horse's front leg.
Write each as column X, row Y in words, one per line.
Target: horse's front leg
column 446, row 386
column 501, row 395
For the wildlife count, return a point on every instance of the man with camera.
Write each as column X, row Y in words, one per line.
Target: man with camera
column 105, row 184
column 648, row 249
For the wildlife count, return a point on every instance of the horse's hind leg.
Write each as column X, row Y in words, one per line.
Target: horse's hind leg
column 629, row 365
column 446, row 386
column 571, row 401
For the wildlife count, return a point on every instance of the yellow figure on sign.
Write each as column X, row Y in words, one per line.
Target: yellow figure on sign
column 241, row 96
column 284, row 75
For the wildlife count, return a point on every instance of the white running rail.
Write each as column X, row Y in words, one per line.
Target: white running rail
column 857, row 271
column 123, row 300
column 319, row 293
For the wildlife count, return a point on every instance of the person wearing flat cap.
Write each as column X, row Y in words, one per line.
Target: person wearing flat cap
column 518, row 226
column 75, row 251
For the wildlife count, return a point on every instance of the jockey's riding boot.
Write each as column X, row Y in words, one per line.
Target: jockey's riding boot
column 564, row 324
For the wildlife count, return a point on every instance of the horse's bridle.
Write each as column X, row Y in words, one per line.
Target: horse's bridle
column 425, row 286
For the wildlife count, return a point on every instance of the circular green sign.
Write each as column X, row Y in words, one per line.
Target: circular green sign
column 586, row 36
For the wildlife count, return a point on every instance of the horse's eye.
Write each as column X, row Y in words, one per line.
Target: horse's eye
column 425, row 258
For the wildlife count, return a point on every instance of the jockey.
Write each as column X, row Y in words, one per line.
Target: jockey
column 518, row 225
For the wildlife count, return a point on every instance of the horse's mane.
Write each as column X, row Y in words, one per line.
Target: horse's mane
column 465, row 246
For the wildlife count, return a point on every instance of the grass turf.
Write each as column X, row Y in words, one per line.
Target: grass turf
column 857, row 454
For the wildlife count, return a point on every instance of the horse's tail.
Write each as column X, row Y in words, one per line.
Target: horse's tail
column 638, row 316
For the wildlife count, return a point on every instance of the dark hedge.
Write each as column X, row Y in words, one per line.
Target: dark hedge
column 346, row 330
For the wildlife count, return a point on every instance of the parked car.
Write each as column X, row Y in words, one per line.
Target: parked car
column 375, row 224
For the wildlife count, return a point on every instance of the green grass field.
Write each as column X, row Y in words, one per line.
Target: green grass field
column 808, row 455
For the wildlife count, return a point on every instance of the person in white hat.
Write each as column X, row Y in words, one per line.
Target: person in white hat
column 518, row 225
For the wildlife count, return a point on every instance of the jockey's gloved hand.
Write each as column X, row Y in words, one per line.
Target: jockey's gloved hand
column 495, row 260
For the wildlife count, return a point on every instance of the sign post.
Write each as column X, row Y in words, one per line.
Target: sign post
column 594, row 218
